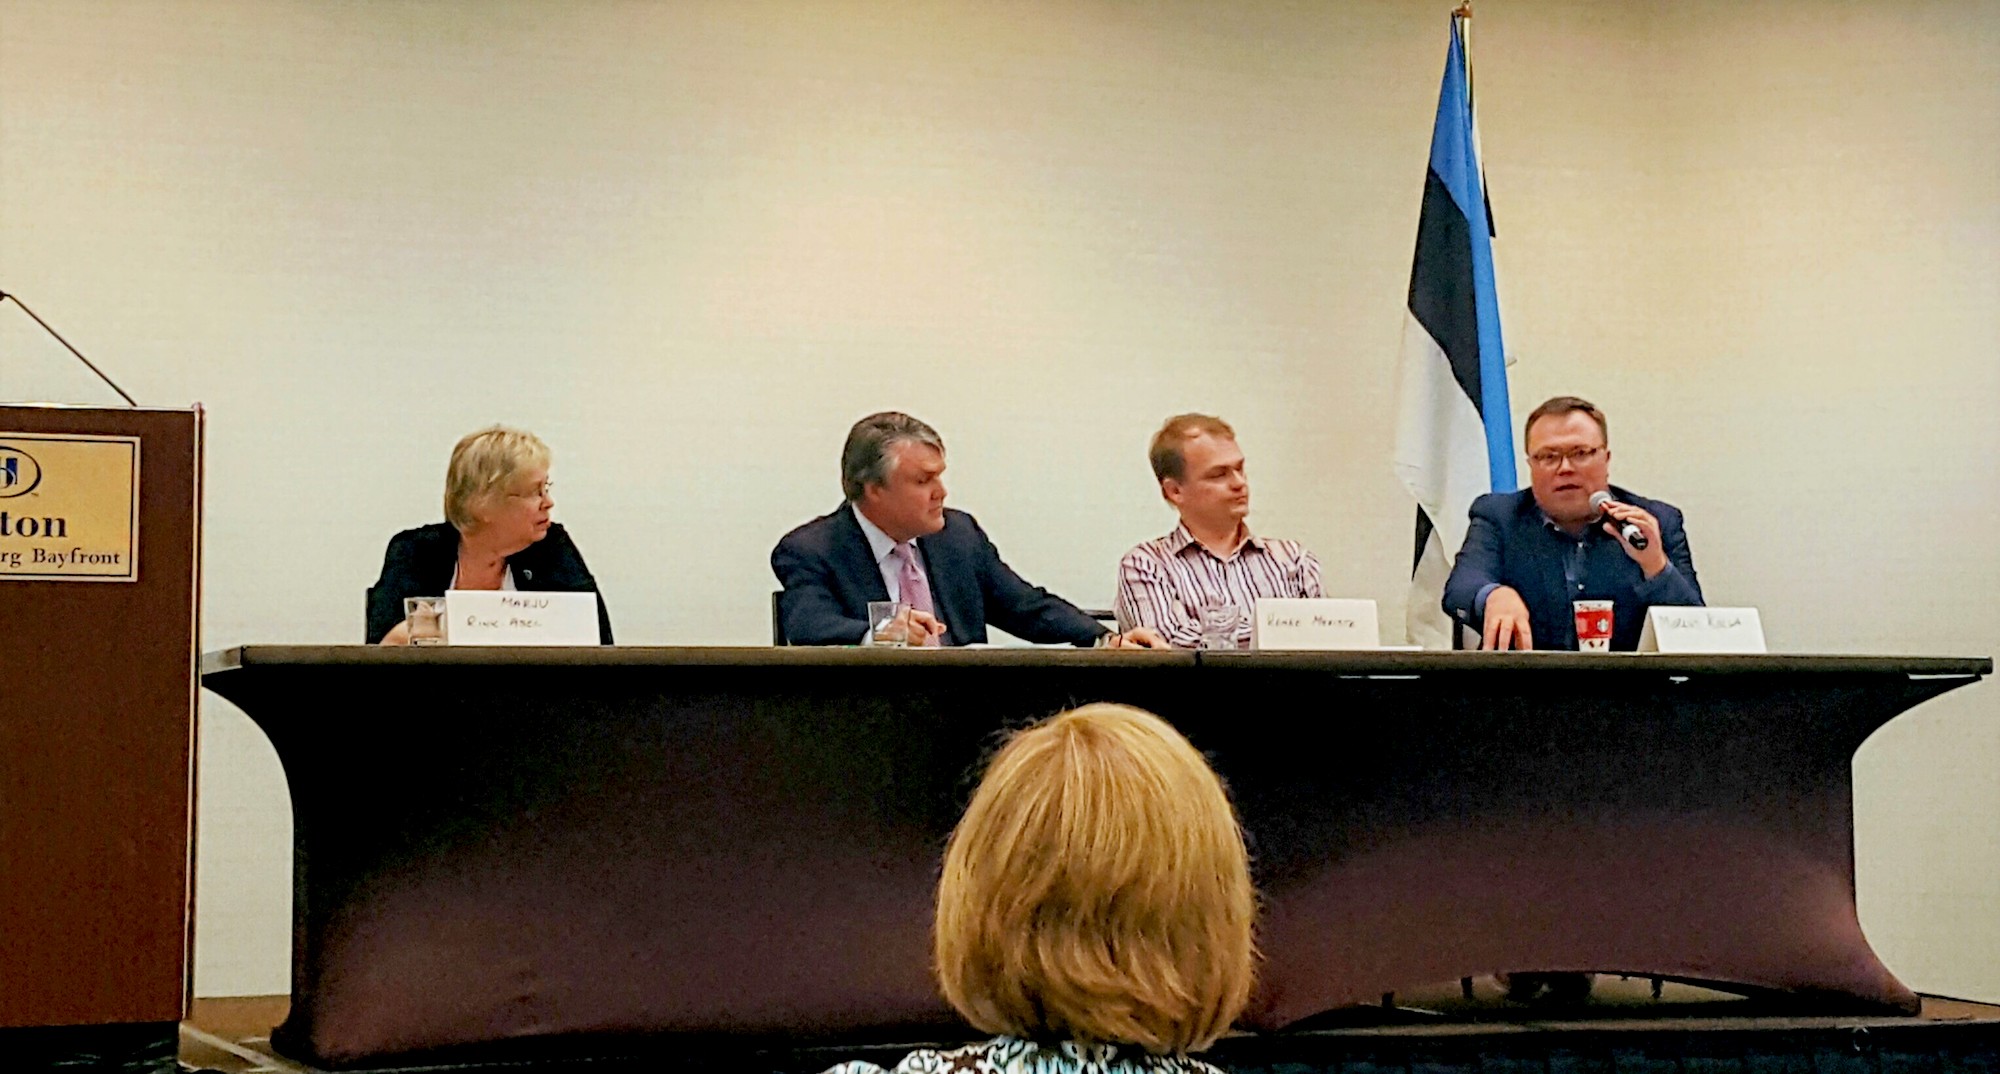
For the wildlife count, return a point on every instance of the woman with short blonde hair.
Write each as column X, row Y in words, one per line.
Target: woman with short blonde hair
column 497, row 534
column 482, row 464
column 1095, row 908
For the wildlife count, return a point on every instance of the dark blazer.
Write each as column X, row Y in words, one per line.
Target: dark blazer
column 829, row 576
column 1510, row 542
column 420, row 562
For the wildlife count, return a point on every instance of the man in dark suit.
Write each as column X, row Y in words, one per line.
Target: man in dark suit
column 893, row 539
column 1529, row 554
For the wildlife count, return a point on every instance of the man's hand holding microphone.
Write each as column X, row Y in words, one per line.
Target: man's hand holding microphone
column 1637, row 532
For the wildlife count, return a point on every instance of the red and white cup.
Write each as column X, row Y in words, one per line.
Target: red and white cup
column 1593, row 625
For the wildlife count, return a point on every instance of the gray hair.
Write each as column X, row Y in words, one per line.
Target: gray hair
column 865, row 459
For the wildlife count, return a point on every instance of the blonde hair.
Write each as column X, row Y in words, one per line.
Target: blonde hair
column 1167, row 454
column 483, row 464
column 1097, row 889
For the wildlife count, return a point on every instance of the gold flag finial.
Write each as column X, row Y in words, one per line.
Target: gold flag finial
column 1463, row 11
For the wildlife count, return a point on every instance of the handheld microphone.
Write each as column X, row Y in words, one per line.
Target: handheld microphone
column 1628, row 532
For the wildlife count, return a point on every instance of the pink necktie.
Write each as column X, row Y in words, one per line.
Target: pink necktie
column 916, row 591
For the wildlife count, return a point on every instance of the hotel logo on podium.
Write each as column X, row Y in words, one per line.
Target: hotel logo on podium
column 69, row 507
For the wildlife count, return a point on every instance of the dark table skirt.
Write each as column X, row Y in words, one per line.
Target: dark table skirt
column 494, row 845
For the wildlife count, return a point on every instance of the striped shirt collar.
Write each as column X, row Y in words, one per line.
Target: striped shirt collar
column 1179, row 540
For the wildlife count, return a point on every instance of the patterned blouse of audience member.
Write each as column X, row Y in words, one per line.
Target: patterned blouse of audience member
column 1095, row 908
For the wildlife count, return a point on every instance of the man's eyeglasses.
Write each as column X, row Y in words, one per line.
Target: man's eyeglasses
column 1549, row 458
column 544, row 490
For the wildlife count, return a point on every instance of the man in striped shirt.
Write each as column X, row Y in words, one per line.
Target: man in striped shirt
column 1211, row 558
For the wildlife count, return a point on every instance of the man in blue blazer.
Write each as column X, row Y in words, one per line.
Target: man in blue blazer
column 893, row 539
column 1529, row 554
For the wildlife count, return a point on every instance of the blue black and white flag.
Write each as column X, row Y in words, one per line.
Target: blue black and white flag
column 1455, row 429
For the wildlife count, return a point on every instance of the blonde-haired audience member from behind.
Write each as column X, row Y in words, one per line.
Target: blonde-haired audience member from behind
column 1095, row 908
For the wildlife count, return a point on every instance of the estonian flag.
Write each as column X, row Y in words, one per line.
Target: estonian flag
column 1454, row 428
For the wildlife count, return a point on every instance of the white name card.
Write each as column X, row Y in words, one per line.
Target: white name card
column 1702, row 630
column 1315, row 623
column 501, row 617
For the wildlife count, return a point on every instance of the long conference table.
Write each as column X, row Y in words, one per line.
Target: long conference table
column 565, row 845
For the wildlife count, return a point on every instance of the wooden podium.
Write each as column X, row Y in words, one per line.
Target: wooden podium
column 100, row 543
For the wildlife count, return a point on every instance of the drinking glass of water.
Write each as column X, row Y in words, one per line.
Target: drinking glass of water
column 426, row 618
column 888, row 623
column 1219, row 626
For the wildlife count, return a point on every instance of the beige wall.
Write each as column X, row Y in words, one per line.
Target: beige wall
column 689, row 243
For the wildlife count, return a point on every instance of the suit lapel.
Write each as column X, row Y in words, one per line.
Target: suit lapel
column 440, row 564
column 942, row 572
column 855, row 561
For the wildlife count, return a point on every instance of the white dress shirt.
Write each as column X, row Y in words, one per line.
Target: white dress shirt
column 883, row 547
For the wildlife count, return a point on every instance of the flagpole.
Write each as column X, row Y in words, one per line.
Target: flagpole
column 1461, row 20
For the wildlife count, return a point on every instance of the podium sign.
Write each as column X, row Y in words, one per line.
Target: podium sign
column 69, row 507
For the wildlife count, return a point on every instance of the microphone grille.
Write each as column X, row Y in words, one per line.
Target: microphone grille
column 1598, row 499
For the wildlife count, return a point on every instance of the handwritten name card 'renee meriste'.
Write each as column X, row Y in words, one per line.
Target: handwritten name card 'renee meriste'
column 1701, row 630
column 504, row 617
column 1315, row 623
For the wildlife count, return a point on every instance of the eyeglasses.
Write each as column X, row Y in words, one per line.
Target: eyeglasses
column 1549, row 458
column 545, row 490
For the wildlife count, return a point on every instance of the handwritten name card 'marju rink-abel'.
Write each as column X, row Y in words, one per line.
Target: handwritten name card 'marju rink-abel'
column 505, row 617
